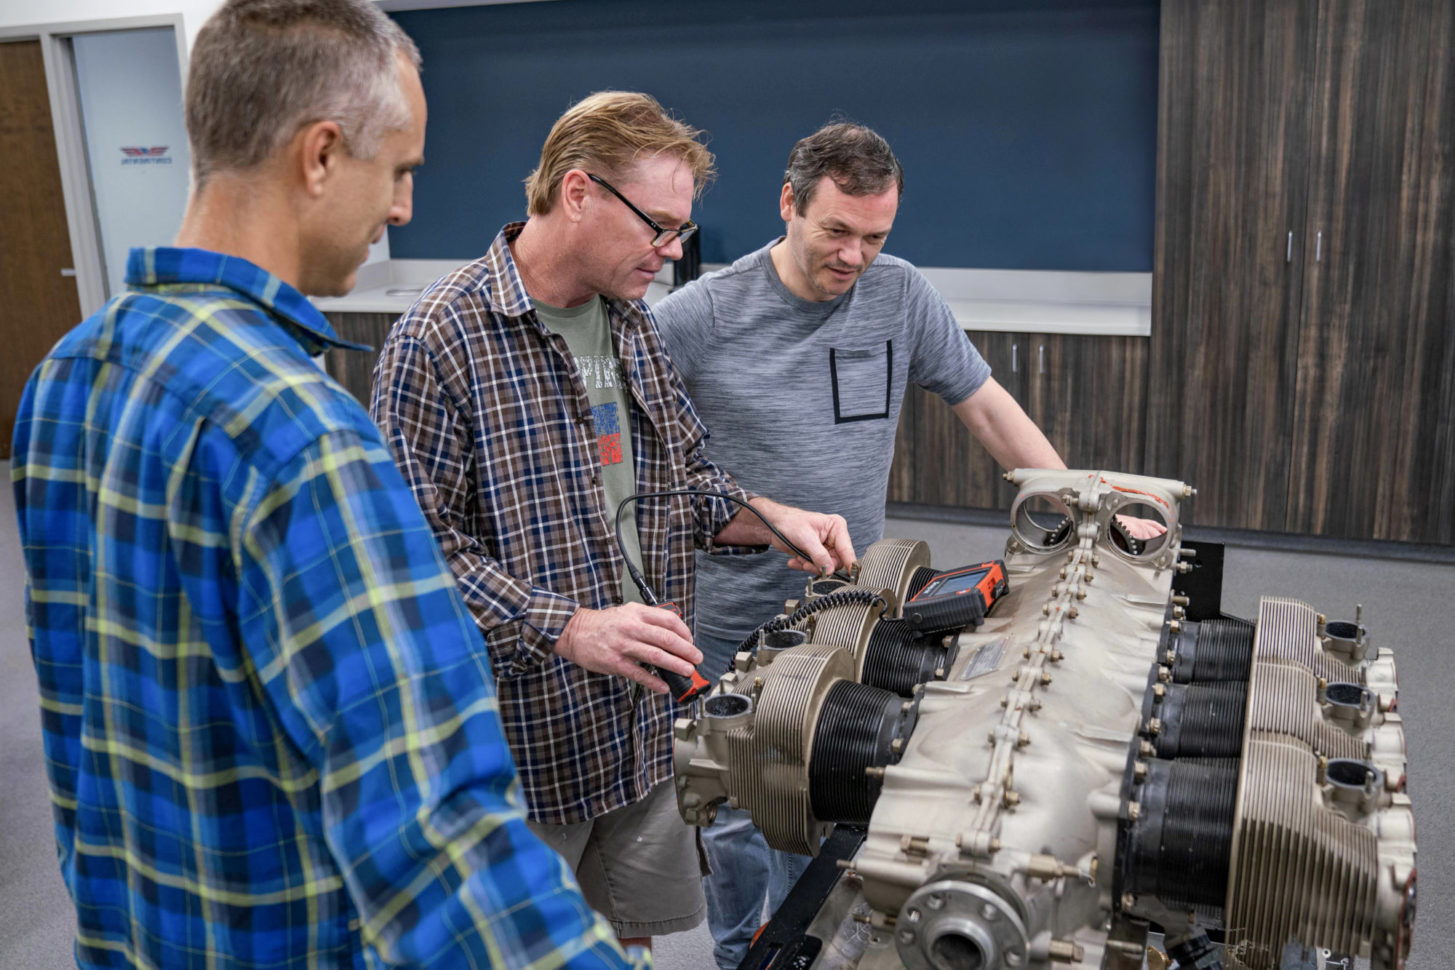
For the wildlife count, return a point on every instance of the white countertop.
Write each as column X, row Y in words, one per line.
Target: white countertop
column 1019, row 301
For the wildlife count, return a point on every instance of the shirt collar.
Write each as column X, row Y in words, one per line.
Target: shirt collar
column 504, row 292
column 172, row 266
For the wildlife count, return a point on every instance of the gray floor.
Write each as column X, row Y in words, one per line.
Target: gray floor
column 1407, row 606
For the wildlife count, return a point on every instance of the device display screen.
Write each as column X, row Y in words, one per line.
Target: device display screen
column 949, row 585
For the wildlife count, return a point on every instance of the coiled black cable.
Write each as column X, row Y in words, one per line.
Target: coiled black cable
column 842, row 597
column 631, row 567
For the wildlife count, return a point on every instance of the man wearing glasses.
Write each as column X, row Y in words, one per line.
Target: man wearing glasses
column 524, row 396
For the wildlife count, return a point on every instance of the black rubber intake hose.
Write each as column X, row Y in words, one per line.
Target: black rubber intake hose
column 856, row 729
column 1213, row 650
column 1197, row 720
column 898, row 659
column 1181, row 840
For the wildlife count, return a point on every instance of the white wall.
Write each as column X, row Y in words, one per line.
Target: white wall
column 18, row 13
column 131, row 100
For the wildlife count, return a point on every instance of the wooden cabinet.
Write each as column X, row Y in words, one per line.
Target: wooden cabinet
column 1303, row 313
column 354, row 369
column 1086, row 394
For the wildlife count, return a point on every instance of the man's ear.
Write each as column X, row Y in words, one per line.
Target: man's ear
column 319, row 147
column 575, row 186
column 785, row 202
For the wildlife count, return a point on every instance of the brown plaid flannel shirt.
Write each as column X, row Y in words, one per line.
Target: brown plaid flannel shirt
column 489, row 421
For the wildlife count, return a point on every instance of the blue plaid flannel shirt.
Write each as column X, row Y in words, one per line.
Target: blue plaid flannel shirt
column 271, row 733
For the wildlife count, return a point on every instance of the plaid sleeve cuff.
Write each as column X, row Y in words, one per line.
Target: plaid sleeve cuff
column 525, row 641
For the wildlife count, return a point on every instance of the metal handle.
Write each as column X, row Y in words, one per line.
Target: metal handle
column 1014, row 358
column 68, row 272
column 1041, row 354
column 1288, row 258
column 1319, row 246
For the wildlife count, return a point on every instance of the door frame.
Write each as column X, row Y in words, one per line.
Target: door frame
column 76, row 188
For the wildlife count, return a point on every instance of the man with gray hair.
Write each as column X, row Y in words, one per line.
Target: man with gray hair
column 272, row 737
column 821, row 332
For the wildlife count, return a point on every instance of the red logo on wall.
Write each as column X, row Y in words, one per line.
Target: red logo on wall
column 155, row 155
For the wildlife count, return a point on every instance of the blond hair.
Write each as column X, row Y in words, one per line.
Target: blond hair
column 607, row 132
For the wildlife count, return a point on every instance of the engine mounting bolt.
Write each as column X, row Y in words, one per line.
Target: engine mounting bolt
column 1071, row 555
column 1063, row 572
column 1005, row 702
column 990, row 737
column 1045, row 678
column 1026, row 653
column 1181, row 600
column 906, row 707
column 1089, row 576
column 757, row 683
column 1081, row 594
column 939, row 673
column 1073, row 612
column 1170, row 657
column 994, row 846
column 1065, row 951
column 1174, row 626
column 1035, row 704
column 1096, row 560
column 1154, row 726
column 948, row 641
column 1056, row 655
column 989, row 912
column 976, row 792
column 1046, row 609
column 1164, row 675
column 1022, row 740
column 1011, row 799
column 1134, row 811
column 873, row 771
column 1146, row 749
column 897, row 745
column 1159, row 691
column 1128, row 900
column 1178, row 612
column 906, row 936
column 935, row 901
column 1015, row 675
column 1139, row 770
column 913, row 915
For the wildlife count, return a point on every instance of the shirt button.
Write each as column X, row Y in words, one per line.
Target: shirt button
column 596, row 479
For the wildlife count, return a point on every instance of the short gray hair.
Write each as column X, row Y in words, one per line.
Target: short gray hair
column 858, row 160
column 263, row 69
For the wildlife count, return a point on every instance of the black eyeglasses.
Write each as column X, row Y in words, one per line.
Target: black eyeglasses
column 663, row 236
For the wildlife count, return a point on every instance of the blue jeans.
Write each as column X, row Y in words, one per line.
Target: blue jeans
column 746, row 873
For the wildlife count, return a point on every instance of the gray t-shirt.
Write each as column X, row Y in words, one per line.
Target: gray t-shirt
column 587, row 333
column 802, row 399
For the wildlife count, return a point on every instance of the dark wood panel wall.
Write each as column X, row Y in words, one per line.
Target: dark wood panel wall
column 354, row 369
column 1086, row 393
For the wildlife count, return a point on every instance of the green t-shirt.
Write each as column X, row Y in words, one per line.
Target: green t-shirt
column 588, row 336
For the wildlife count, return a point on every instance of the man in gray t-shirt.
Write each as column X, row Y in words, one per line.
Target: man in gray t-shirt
column 797, row 357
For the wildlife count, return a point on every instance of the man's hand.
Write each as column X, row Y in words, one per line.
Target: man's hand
column 825, row 538
column 1139, row 528
column 619, row 639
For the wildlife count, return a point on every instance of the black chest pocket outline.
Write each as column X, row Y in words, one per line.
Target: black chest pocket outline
column 862, row 381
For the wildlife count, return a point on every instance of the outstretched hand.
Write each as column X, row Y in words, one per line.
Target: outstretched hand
column 620, row 639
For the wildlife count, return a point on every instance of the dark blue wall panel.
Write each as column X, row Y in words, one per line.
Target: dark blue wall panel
column 1027, row 129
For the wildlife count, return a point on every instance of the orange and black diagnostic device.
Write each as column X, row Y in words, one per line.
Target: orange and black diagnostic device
column 683, row 688
column 957, row 598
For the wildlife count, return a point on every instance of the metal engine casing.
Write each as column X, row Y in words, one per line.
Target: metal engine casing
column 1032, row 804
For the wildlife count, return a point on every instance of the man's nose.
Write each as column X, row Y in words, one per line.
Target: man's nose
column 672, row 249
column 401, row 210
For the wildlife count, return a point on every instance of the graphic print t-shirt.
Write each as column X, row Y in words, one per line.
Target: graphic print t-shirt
column 588, row 336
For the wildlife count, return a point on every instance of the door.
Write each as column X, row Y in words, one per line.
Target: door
column 1374, row 426
column 1233, row 132
column 38, row 301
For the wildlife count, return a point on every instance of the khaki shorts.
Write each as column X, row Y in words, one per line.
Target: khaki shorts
column 639, row 866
